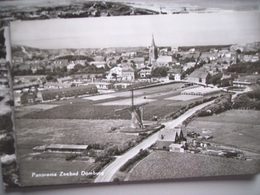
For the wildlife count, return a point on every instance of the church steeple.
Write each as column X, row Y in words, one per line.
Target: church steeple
column 153, row 42
column 153, row 52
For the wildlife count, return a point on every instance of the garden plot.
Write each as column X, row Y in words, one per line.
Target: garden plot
column 183, row 97
column 127, row 102
column 237, row 128
column 99, row 97
column 40, row 107
column 169, row 165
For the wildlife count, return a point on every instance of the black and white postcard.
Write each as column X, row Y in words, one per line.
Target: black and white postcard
column 123, row 91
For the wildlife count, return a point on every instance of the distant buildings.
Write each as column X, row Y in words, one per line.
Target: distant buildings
column 198, row 76
column 125, row 73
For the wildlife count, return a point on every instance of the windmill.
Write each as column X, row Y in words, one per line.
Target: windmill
column 136, row 112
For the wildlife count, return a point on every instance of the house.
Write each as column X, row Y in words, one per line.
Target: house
column 164, row 60
column 145, row 72
column 122, row 85
column 70, row 66
column 176, row 148
column 28, row 97
column 103, row 85
column 114, row 73
column 128, row 73
column 188, row 65
column 65, row 79
column 60, row 63
column 139, row 61
column 99, row 58
column 169, row 136
column 198, row 76
column 174, row 135
column 174, row 74
column 99, row 64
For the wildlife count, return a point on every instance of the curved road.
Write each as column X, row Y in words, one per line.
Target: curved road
column 109, row 171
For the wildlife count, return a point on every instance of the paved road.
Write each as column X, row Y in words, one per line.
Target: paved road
column 112, row 168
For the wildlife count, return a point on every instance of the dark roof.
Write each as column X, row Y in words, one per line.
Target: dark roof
column 199, row 73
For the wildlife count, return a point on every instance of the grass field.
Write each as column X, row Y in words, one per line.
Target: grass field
column 104, row 106
column 87, row 120
column 35, row 132
column 238, row 128
column 27, row 167
column 171, row 165
column 184, row 97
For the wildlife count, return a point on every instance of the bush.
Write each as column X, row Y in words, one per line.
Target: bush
column 132, row 161
column 221, row 104
column 70, row 157
column 68, row 92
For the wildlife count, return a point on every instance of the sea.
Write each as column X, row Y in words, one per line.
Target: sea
column 218, row 28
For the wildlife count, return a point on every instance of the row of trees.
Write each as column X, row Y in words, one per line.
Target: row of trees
column 250, row 100
column 249, row 67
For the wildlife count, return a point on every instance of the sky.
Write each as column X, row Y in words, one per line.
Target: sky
column 132, row 31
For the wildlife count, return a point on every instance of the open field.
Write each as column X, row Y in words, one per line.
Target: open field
column 169, row 165
column 27, row 167
column 184, row 97
column 127, row 102
column 104, row 106
column 20, row 111
column 85, row 110
column 237, row 128
column 84, row 121
column 100, row 97
column 35, row 132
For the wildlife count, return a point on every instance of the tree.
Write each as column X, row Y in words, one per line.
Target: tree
column 114, row 75
column 160, row 71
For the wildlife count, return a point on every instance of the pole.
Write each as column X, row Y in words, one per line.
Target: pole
column 132, row 98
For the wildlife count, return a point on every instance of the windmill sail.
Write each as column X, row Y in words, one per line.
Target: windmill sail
column 137, row 117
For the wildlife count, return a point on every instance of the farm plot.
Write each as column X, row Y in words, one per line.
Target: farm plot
column 86, row 110
column 38, row 132
column 171, row 165
column 238, row 128
column 28, row 167
column 35, row 132
column 127, row 102
column 99, row 97
column 183, row 97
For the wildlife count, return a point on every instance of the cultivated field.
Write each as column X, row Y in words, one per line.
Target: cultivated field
column 238, row 128
column 27, row 167
column 88, row 120
column 105, row 106
column 184, row 97
column 35, row 132
column 171, row 165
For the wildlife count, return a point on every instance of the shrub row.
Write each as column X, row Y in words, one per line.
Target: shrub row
column 224, row 103
column 68, row 92
column 250, row 100
column 189, row 106
column 221, row 104
column 132, row 161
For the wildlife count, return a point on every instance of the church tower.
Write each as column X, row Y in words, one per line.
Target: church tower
column 153, row 52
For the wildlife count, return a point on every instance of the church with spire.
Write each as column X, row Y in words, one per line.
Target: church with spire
column 153, row 53
column 156, row 59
